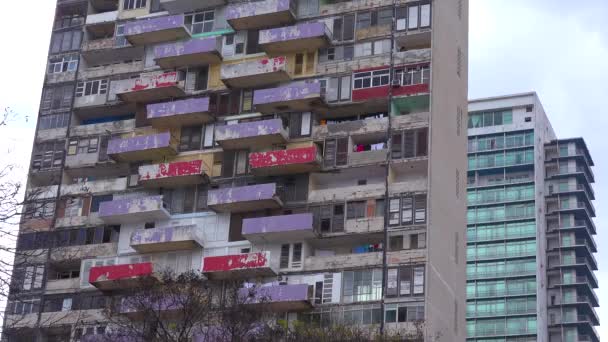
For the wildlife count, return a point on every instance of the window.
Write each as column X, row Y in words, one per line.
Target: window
column 96, row 200
column 399, row 313
column 299, row 124
column 291, row 255
column 407, row 210
column 190, row 138
column 355, row 210
column 371, row 79
column 28, row 278
column 252, row 42
column 405, row 281
column 304, row 64
column 413, row 17
column 337, row 53
column 83, row 145
column 96, row 87
column 362, row 285
column 133, row 4
column 63, row 21
column 336, row 88
column 120, row 40
column 39, row 210
column 486, row 119
column 335, row 152
column 308, row 7
column 53, row 121
column 409, row 144
column 186, row 199
column 235, row 163
column 22, row 307
column 59, row 97
column 200, row 22
column 408, row 76
column 372, row 48
column 66, row 41
column 63, row 64
column 328, row 218
column 344, row 28
column 48, row 155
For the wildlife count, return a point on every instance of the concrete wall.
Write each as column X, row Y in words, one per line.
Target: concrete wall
column 446, row 228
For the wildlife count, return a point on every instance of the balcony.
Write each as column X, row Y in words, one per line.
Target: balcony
column 115, row 277
column 169, row 307
column 149, row 87
column 144, row 147
column 101, row 24
column 279, row 298
column 255, row 73
column 193, row 111
column 172, row 174
column 295, row 97
column 96, row 100
column 156, row 30
column 95, row 187
column 251, row 135
column 322, row 263
column 193, row 52
column 247, row 265
column 142, row 209
column 305, row 36
column 181, row 6
column 375, row 127
column 412, row 56
column 167, row 239
column 260, row 14
column 373, row 157
column 296, row 227
column 283, row 162
column 113, row 49
column 244, row 198
column 113, row 127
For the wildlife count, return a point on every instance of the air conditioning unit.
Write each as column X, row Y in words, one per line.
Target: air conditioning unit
column 396, row 82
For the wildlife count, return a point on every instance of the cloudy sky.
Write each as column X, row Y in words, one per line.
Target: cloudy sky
column 557, row 48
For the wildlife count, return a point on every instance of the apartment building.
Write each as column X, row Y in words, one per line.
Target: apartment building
column 278, row 142
column 530, row 235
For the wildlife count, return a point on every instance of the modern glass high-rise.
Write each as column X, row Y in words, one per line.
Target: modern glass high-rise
column 324, row 139
column 530, row 231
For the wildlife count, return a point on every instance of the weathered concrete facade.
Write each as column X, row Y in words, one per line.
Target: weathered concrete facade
column 284, row 143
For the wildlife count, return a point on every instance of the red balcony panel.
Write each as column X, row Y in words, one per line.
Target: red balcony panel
column 295, row 160
column 238, row 265
column 119, row 276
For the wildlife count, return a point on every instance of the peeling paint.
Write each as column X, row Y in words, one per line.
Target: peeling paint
column 168, row 170
column 275, row 293
column 262, row 66
column 278, row 224
column 241, row 194
column 152, row 25
column 118, row 272
column 166, row 109
column 248, row 129
column 292, row 92
column 130, row 206
column 300, row 31
column 140, row 143
column 190, row 47
column 236, row 262
column 302, row 155
column 251, row 9
column 147, row 82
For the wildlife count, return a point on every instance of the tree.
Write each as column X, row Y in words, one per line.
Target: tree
column 188, row 307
